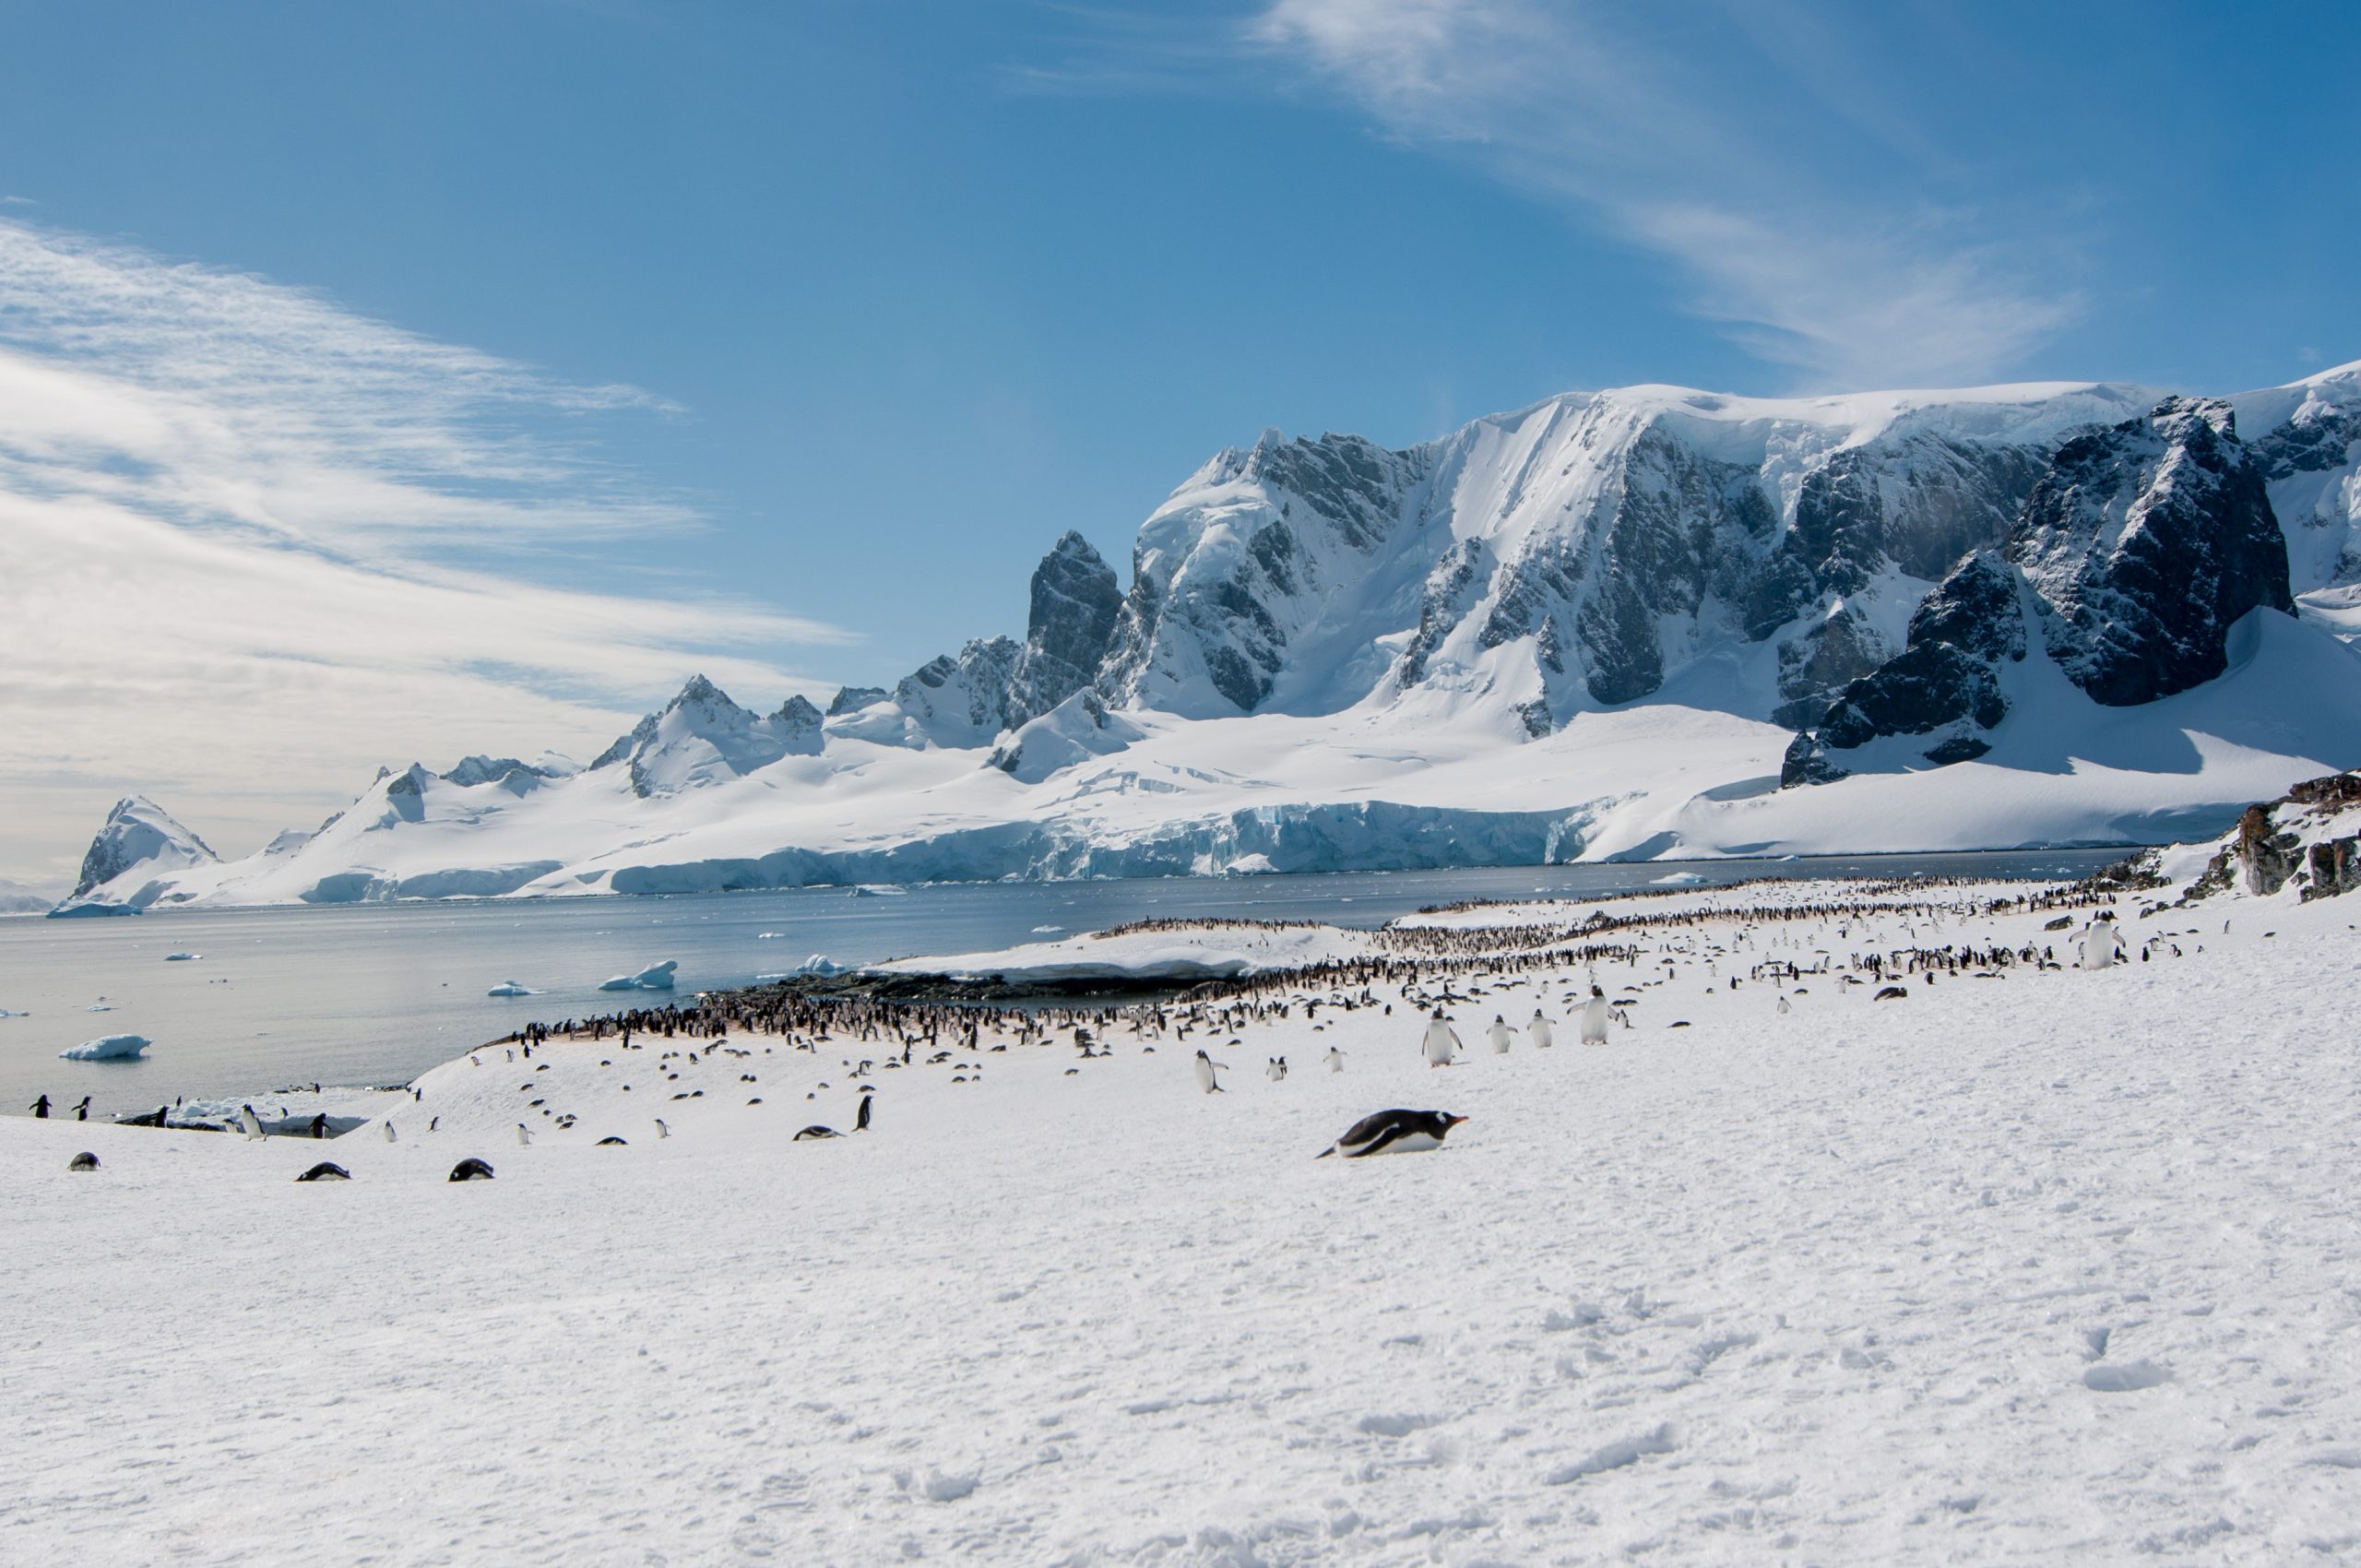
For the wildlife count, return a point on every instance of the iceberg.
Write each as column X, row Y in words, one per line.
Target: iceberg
column 656, row 977
column 107, row 1048
column 510, row 988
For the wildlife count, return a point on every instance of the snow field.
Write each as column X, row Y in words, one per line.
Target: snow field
column 2049, row 1267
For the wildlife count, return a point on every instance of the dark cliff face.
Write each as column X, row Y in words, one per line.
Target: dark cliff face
column 1076, row 600
column 2145, row 543
column 1945, row 678
column 2139, row 546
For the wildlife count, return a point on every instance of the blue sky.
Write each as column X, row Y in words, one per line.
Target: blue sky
column 817, row 323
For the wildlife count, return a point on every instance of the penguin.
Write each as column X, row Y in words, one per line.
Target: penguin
column 1335, row 1060
column 1205, row 1079
column 249, row 1120
column 1500, row 1033
column 326, row 1171
column 1393, row 1131
column 1441, row 1040
column 82, row 1111
column 1278, row 1070
column 861, row 1118
column 85, row 1160
column 1594, row 1018
column 39, row 1109
column 815, row 1130
column 661, row 1130
column 389, row 1130
column 1540, row 1029
column 1892, row 993
column 471, row 1169
column 2102, row 944
column 1784, row 1008
column 524, row 1135
column 619, row 1143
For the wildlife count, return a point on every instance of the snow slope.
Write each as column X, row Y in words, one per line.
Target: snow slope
column 2048, row 1267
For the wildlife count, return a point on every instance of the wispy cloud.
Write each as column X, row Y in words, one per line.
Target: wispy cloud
column 1608, row 111
column 252, row 544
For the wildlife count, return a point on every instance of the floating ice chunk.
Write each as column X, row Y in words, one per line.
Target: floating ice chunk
column 182, row 957
column 9, row 1012
column 1677, row 879
column 510, row 988
column 656, row 977
column 107, row 1048
column 820, row 964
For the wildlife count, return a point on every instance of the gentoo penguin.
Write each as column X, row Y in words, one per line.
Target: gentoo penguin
column 2102, row 944
column 326, row 1171
column 619, row 1143
column 1393, row 1131
column 389, row 1132
column 1335, row 1060
column 815, row 1130
column 85, row 1160
column 39, row 1109
column 249, row 1120
column 1205, row 1079
column 524, row 1133
column 661, row 1130
column 1540, row 1029
column 471, row 1169
column 1500, row 1033
column 1277, row 1070
column 860, row 1119
column 1891, row 993
column 1783, row 1004
column 1594, row 1018
column 82, row 1111
column 1441, row 1042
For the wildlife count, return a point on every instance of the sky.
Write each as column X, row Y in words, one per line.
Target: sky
column 405, row 381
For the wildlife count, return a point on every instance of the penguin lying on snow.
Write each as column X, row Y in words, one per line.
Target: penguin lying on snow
column 815, row 1130
column 1393, row 1131
column 471, row 1169
column 85, row 1160
column 619, row 1143
column 326, row 1171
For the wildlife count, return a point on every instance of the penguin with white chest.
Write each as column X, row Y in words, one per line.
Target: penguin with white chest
column 1393, row 1131
column 1540, row 1029
column 1442, row 1043
column 1499, row 1035
column 1594, row 1018
column 1205, row 1079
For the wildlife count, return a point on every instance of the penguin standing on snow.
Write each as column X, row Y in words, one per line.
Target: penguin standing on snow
column 861, row 1121
column 1540, row 1029
column 39, row 1109
column 1442, row 1043
column 389, row 1130
column 1278, row 1070
column 82, row 1111
column 661, row 1130
column 1205, row 1079
column 250, row 1121
column 524, row 1135
column 1335, row 1060
column 1393, row 1131
column 1594, row 1018
column 2102, row 944
column 1498, row 1034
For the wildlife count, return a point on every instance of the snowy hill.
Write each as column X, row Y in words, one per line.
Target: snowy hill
column 1611, row 624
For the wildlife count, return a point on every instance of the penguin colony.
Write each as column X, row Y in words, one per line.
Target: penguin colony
column 680, row 1052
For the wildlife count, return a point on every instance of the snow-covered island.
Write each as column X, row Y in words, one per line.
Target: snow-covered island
column 1645, row 623
column 1891, row 1223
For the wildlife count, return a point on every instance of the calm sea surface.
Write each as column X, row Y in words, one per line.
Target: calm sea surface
column 378, row 994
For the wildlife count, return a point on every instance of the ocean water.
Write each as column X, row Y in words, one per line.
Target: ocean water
column 376, row 995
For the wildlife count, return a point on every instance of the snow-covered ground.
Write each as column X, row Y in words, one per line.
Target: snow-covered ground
column 2055, row 1266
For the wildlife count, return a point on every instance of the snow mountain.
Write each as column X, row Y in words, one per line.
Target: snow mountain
column 1646, row 621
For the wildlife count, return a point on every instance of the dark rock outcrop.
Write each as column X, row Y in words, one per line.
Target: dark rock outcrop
column 1075, row 604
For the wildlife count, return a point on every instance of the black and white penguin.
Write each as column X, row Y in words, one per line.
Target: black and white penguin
column 389, row 1130
column 249, row 1120
column 471, row 1169
column 1442, row 1043
column 1499, row 1035
column 1393, row 1131
column 1205, row 1079
column 861, row 1118
column 618, row 1143
column 1594, row 1018
column 85, row 1160
column 1335, row 1060
column 815, row 1130
column 1540, row 1029
column 39, row 1109
column 524, row 1135
column 326, row 1171
column 1277, row 1070
column 661, row 1130
column 82, row 1111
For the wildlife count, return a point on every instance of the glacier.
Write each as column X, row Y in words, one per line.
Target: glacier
column 1640, row 623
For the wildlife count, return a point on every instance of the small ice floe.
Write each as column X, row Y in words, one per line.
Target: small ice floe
column 1047, row 930
column 107, row 1048
column 1677, row 879
column 820, row 964
column 656, row 977
column 878, row 890
column 11, row 1013
column 182, row 957
column 100, row 1007
column 769, row 935
column 510, row 988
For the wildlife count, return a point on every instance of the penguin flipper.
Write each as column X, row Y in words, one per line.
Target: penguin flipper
column 1376, row 1145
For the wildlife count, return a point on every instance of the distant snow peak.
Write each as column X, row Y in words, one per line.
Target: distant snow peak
column 702, row 738
column 139, row 836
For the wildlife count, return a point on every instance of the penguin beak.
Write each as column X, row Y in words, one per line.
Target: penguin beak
column 1457, row 1119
